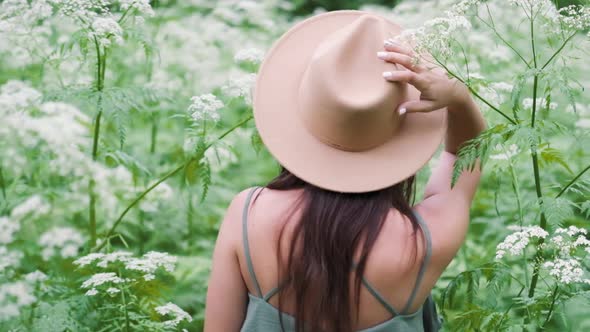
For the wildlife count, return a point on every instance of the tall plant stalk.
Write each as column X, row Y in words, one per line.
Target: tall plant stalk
column 168, row 175
column 100, row 74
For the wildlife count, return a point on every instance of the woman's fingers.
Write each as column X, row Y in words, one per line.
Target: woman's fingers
column 404, row 76
column 418, row 106
column 402, row 59
column 392, row 46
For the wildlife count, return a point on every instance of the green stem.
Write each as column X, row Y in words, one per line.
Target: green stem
column 553, row 300
column 535, row 160
column 477, row 95
column 564, row 189
column 543, row 224
column 493, row 28
column 125, row 311
column 164, row 178
column 558, row 50
column 154, row 134
column 2, row 183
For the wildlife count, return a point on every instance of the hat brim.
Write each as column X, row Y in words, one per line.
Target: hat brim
column 284, row 134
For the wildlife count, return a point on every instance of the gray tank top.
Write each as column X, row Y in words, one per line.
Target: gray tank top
column 261, row 316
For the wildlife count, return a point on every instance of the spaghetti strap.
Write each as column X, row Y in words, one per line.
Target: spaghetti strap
column 246, row 244
column 425, row 262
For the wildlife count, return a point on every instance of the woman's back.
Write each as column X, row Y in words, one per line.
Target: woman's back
column 392, row 270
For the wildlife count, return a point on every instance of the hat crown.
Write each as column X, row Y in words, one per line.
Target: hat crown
column 344, row 100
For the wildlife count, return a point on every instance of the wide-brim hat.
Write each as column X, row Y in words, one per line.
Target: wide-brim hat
column 324, row 111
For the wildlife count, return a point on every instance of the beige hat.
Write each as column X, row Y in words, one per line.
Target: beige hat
column 324, row 111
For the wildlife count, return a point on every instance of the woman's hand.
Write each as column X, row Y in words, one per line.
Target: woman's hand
column 437, row 89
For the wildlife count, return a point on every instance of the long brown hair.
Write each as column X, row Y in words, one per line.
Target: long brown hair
column 331, row 227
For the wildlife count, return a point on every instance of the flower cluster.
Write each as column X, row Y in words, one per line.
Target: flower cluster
column 205, row 107
column 176, row 312
column 34, row 206
column 105, row 29
column 148, row 264
column 566, row 271
column 250, row 55
column 240, row 87
column 436, row 35
column 100, row 279
column 8, row 227
column 141, row 6
column 527, row 103
column 62, row 241
column 516, row 242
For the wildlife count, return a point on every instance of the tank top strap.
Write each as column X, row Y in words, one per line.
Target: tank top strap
column 246, row 244
column 424, row 263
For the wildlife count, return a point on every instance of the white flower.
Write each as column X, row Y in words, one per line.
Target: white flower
column 105, row 29
column 34, row 205
column 176, row 312
column 65, row 241
column 100, row 279
column 9, row 258
column 583, row 123
column 8, row 228
column 205, row 107
column 566, row 271
column 512, row 151
column 35, row 277
column 250, row 55
column 152, row 261
column 501, row 86
column 113, row 290
column 516, row 242
column 527, row 103
column 103, row 259
column 91, row 292
column 240, row 86
column 141, row 6
column 17, row 95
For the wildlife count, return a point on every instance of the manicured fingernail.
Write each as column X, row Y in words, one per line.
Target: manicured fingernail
column 382, row 55
column 389, row 42
column 402, row 111
column 387, row 74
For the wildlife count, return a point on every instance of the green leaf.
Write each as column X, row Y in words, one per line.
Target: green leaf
column 557, row 209
column 205, row 178
column 550, row 155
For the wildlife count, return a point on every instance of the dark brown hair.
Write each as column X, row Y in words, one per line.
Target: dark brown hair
column 331, row 227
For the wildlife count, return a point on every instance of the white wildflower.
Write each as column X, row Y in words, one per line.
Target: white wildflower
column 151, row 262
column 241, row 86
column 178, row 315
column 113, row 290
column 13, row 296
column 102, row 278
column 35, row 277
column 205, row 107
column 91, row 292
column 141, row 6
column 9, row 258
column 34, row 205
column 583, row 123
column 103, row 260
column 571, row 231
column 516, row 242
column 8, row 228
column 82, row 8
column 566, row 271
column 506, row 154
column 62, row 241
column 501, row 86
column 250, row 55
column 105, row 29
column 527, row 103
column 17, row 95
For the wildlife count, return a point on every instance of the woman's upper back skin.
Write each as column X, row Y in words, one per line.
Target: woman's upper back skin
column 393, row 262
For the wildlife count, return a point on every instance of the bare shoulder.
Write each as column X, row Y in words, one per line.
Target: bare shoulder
column 447, row 222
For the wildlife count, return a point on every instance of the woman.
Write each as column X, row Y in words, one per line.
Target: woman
column 334, row 243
